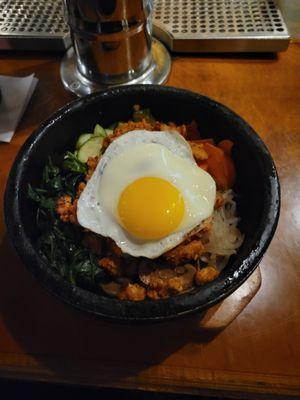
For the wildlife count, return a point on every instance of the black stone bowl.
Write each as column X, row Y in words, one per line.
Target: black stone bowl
column 257, row 188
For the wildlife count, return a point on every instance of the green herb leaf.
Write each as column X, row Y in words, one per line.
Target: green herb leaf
column 59, row 242
column 43, row 201
column 72, row 163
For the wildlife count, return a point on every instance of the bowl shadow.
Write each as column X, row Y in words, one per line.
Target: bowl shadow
column 63, row 339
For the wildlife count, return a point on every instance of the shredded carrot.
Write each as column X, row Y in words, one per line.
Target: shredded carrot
column 220, row 166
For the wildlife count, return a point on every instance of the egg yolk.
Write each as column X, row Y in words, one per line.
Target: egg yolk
column 150, row 208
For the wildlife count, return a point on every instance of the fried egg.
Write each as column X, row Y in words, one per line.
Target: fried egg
column 147, row 193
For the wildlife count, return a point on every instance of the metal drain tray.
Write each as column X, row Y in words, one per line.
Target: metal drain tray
column 183, row 25
column 220, row 25
column 33, row 25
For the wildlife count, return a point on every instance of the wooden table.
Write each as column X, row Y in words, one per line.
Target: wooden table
column 259, row 353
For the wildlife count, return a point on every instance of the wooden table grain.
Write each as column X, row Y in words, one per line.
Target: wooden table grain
column 258, row 355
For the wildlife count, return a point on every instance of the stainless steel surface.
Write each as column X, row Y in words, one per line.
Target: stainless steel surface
column 33, row 25
column 183, row 25
column 220, row 25
column 156, row 73
column 111, row 38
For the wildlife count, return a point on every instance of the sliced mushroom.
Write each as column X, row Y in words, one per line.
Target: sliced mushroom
column 180, row 270
column 162, row 280
column 166, row 273
column 184, row 281
column 155, row 275
column 146, row 268
column 111, row 289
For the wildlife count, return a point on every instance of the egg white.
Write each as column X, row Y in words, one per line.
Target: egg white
column 139, row 154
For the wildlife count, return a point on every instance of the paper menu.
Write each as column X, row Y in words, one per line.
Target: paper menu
column 16, row 93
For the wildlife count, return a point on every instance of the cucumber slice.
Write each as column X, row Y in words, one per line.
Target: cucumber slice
column 90, row 148
column 109, row 132
column 99, row 131
column 82, row 139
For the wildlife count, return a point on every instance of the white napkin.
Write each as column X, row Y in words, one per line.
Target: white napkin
column 16, row 93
